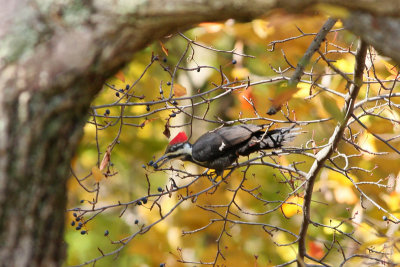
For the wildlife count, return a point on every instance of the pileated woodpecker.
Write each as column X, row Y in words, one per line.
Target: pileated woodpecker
column 218, row 149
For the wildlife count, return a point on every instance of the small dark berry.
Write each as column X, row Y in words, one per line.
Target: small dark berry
column 73, row 223
column 198, row 69
column 106, row 233
column 117, row 94
column 83, row 232
column 385, row 218
column 74, row 214
column 150, row 163
column 161, row 92
column 127, row 87
column 155, row 165
column 172, row 115
column 139, row 202
column 78, row 219
column 159, row 189
column 148, row 108
column 78, row 228
column 107, row 112
column 144, row 200
column 144, row 166
column 82, row 201
column 121, row 90
column 162, row 264
column 174, row 102
column 164, row 60
column 80, row 224
column 155, row 58
column 234, row 61
column 136, row 221
column 168, row 83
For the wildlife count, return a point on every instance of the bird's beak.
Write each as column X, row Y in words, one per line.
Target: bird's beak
column 164, row 158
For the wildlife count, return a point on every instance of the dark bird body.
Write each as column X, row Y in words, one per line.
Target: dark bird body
column 220, row 148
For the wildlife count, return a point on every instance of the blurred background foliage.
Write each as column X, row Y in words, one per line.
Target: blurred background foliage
column 335, row 198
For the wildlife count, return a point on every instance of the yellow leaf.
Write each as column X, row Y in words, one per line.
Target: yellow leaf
column 179, row 90
column 292, row 206
column 336, row 224
column 339, row 24
column 390, row 68
column 393, row 201
column 262, row 28
column 345, row 65
column 341, row 179
column 344, row 194
column 373, row 242
column 240, row 73
column 97, row 175
column 304, row 90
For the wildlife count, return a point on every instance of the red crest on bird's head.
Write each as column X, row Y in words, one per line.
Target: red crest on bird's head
column 179, row 138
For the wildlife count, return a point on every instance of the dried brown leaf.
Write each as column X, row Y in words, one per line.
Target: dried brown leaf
column 164, row 49
column 166, row 132
column 106, row 159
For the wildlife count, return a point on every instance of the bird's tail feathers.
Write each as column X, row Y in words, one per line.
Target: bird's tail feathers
column 278, row 137
column 269, row 140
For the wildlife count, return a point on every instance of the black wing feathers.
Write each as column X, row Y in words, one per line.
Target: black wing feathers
column 226, row 144
column 215, row 144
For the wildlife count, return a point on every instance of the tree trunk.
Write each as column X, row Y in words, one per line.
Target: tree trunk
column 39, row 134
column 54, row 58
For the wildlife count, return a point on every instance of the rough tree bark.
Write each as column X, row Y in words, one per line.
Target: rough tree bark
column 54, row 58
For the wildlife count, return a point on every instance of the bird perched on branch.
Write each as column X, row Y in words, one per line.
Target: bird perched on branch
column 218, row 149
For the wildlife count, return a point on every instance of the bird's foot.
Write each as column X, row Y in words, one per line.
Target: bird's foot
column 213, row 176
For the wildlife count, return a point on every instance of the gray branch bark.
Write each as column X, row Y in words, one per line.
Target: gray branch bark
column 54, row 58
column 327, row 151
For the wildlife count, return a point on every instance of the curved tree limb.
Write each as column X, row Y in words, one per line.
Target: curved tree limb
column 327, row 151
column 382, row 32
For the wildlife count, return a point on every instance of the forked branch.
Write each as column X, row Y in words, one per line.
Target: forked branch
column 327, row 151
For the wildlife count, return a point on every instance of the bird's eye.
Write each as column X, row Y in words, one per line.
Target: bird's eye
column 172, row 149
